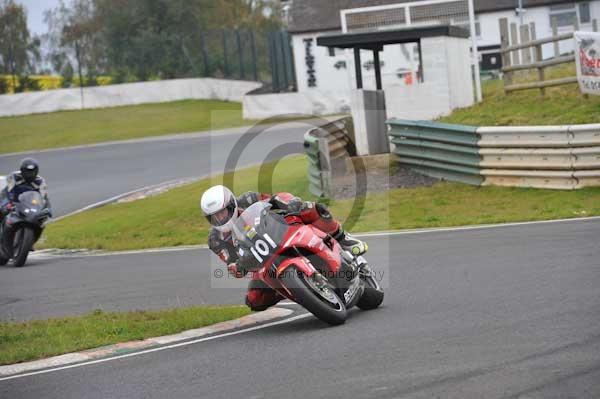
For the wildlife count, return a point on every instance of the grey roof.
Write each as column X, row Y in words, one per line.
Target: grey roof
column 323, row 15
column 377, row 39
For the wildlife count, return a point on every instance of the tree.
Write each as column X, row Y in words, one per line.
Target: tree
column 75, row 37
column 19, row 53
column 145, row 39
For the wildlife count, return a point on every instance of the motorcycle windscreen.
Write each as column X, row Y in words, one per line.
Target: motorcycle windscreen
column 31, row 200
column 259, row 232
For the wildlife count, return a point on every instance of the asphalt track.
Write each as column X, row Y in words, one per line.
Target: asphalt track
column 78, row 177
column 507, row 312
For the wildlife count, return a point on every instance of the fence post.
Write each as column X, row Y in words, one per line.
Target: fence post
column 289, row 58
column 538, row 57
column 541, row 73
column 504, row 43
column 274, row 63
column 253, row 52
column 225, row 61
column 204, row 53
column 555, row 33
column 240, row 53
column 526, row 52
column 514, row 39
column 284, row 60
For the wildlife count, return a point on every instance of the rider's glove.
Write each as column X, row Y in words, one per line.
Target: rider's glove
column 235, row 271
column 5, row 210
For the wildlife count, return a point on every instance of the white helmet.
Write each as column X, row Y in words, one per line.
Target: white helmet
column 219, row 207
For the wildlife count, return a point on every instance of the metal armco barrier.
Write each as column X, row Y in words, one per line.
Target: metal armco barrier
column 558, row 157
column 440, row 150
column 327, row 147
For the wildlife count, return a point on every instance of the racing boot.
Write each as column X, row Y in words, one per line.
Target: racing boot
column 353, row 245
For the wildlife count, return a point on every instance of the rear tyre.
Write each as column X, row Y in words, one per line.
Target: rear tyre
column 24, row 240
column 319, row 299
column 372, row 296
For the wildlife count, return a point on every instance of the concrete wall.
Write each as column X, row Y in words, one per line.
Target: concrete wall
column 313, row 102
column 448, row 84
column 125, row 94
column 445, row 88
column 328, row 77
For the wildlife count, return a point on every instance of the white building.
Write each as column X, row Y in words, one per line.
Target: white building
column 325, row 77
column 318, row 68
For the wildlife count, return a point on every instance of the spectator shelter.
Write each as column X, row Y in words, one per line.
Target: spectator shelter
column 443, row 79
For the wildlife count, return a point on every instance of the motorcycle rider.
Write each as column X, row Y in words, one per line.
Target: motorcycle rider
column 221, row 208
column 21, row 181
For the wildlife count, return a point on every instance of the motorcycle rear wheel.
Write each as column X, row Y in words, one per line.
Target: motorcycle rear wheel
column 324, row 303
column 24, row 245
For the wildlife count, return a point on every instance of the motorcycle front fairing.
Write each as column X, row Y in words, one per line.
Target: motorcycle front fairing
column 29, row 209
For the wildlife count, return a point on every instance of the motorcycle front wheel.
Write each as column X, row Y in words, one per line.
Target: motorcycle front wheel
column 316, row 295
column 23, row 242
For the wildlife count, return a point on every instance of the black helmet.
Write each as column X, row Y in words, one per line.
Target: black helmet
column 29, row 169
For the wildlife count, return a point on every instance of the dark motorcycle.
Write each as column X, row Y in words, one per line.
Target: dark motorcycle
column 22, row 228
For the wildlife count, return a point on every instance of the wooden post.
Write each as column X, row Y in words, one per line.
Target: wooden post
column 555, row 33
column 533, row 38
column 514, row 39
column 526, row 52
column 358, row 68
column 541, row 73
column 504, row 43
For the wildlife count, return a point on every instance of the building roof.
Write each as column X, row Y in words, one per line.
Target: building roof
column 324, row 15
column 377, row 39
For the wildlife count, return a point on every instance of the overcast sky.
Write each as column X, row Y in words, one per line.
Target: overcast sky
column 35, row 13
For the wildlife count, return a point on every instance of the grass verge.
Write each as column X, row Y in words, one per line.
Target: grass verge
column 561, row 105
column 69, row 128
column 173, row 218
column 21, row 342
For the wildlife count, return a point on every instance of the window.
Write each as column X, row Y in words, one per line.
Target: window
column 564, row 14
column 567, row 14
column 584, row 13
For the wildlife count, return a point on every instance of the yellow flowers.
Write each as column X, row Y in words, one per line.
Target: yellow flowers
column 50, row 82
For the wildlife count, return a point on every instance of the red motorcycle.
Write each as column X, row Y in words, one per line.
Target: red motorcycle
column 304, row 264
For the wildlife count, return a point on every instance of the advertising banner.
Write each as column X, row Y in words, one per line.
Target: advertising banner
column 587, row 58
